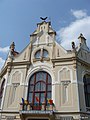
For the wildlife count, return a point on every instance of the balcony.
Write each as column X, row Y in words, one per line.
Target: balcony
column 29, row 110
column 38, row 107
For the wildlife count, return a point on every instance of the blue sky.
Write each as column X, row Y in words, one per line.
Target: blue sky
column 18, row 19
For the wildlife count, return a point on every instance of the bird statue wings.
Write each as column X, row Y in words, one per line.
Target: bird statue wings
column 43, row 18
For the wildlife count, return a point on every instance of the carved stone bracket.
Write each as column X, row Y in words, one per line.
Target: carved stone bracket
column 66, row 83
column 10, row 117
column 16, row 84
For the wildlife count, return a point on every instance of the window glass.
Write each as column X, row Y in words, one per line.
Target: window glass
column 88, row 100
column 40, row 76
column 1, row 90
column 30, row 97
column 43, row 86
column 86, row 81
column 36, row 98
column 32, row 80
column 48, row 95
column 45, row 53
column 88, row 88
column 31, row 88
column 49, row 88
column 39, row 88
column 37, row 54
column 42, row 97
column 49, row 79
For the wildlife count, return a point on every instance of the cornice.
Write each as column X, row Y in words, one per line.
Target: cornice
column 63, row 59
column 9, row 64
column 83, row 62
column 71, row 59
column 18, row 63
column 71, row 112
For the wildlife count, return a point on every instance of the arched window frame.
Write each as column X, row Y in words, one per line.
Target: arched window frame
column 43, row 93
column 2, row 90
column 41, row 54
column 87, row 89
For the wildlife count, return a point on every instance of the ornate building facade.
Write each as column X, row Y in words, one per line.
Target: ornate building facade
column 45, row 81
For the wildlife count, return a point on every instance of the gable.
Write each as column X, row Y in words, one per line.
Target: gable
column 84, row 55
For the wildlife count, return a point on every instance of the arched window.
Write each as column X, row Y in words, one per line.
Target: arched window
column 37, row 54
column 39, row 89
column 86, row 80
column 1, row 90
column 42, row 53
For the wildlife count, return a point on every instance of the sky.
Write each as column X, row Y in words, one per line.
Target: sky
column 19, row 18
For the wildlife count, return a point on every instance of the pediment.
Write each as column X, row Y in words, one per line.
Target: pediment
column 84, row 55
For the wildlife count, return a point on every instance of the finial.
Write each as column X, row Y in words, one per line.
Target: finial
column 81, row 36
column 12, row 52
column 73, row 45
column 82, row 39
column 12, row 46
column 43, row 18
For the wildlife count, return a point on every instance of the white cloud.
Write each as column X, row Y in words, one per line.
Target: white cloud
column 72, row 31
column 79, row 13
column 1, row 62
column 5, row 49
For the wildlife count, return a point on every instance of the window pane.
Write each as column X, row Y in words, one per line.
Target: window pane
column 31, row 88
column 37, row 77
column 1, row 90
column 88, row 100
column 37, row 54
column 49, row 79
column 40, row 76
column 45, row 53
column 85, row 89
column 36, row 98
column 30, row 97
column 42, row 98
column 43, row 86
column 86, row 81
column 88, row 88
column 49, row 88
column 37, row 86
column 32, row 79
column 49, row 95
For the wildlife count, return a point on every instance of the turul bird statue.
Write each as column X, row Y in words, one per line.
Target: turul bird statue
column 43, row 18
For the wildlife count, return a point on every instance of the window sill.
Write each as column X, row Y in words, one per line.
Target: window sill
column 41, row 59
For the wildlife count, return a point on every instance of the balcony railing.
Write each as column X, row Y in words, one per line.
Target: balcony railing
column 42, row 107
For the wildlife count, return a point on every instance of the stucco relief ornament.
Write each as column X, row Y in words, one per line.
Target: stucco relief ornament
column 66, row 83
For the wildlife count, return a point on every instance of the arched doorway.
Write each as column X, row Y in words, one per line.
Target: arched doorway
column 39, row 89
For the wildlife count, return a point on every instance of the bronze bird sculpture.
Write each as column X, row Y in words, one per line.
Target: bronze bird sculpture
column 43, row 18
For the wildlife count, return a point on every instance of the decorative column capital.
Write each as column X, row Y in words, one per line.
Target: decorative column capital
column 66, row 83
